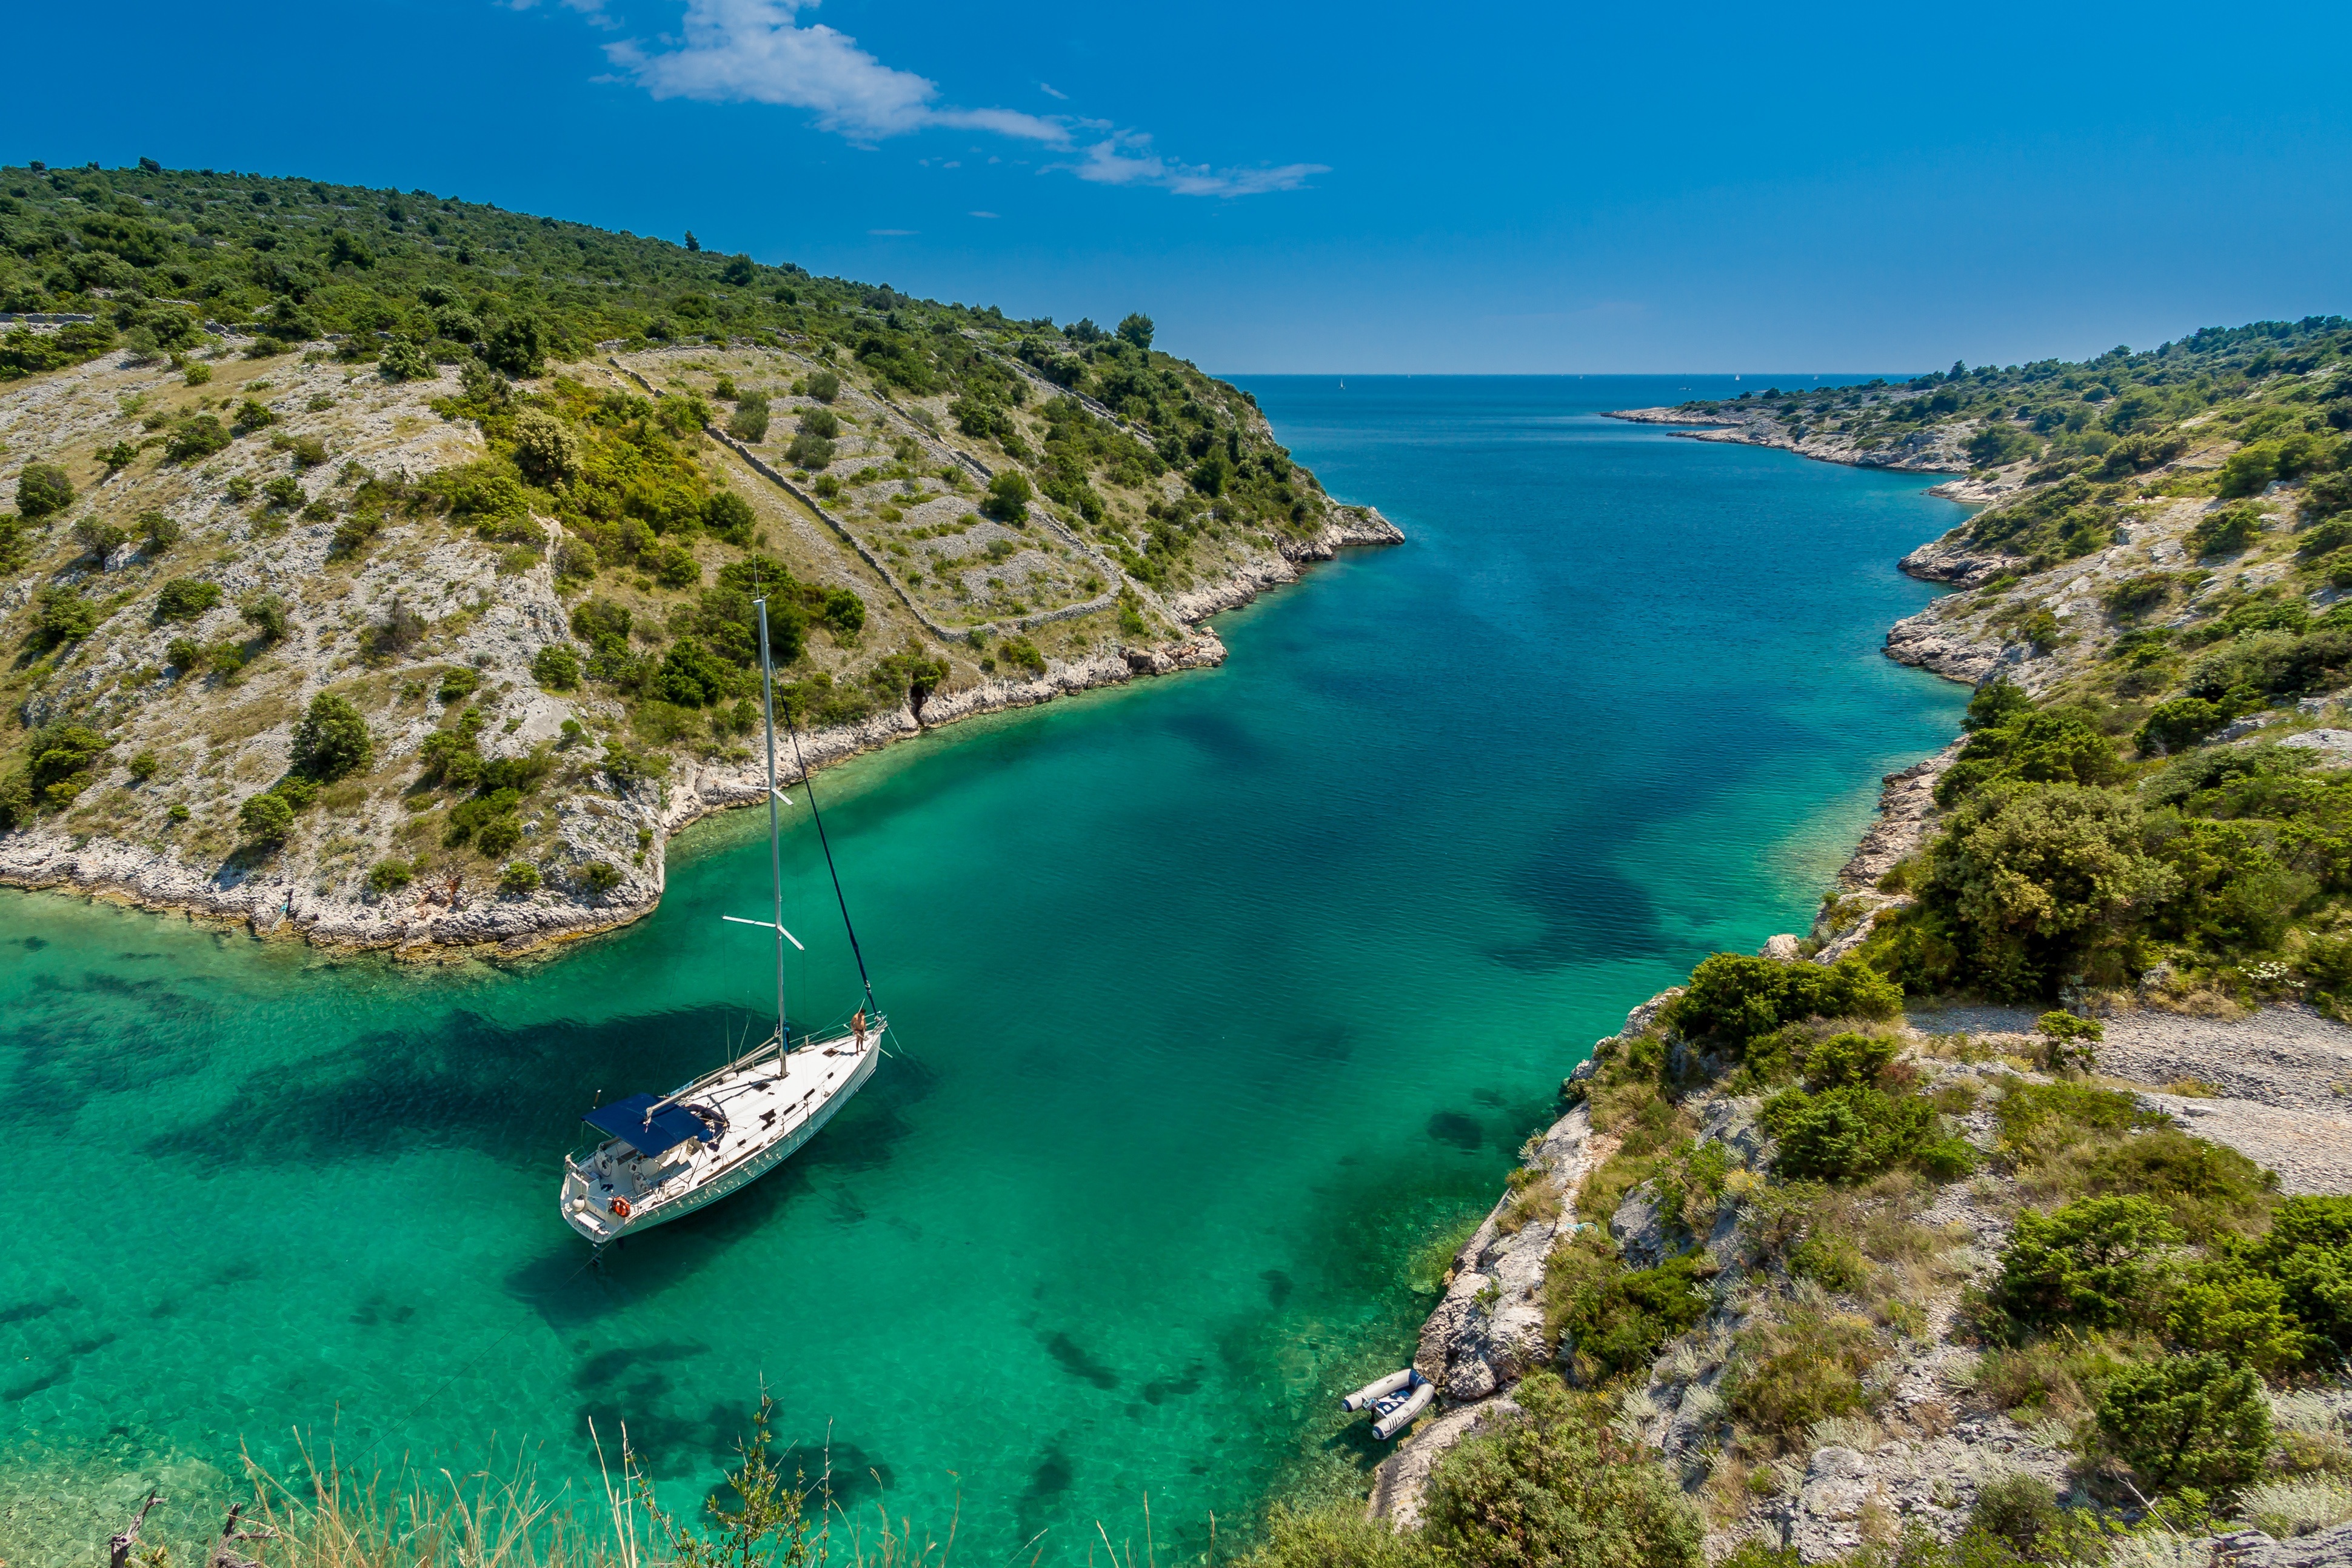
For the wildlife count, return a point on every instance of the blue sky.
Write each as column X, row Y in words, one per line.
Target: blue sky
column 1574, row 187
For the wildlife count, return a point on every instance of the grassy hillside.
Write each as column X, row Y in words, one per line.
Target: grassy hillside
column 491, row 495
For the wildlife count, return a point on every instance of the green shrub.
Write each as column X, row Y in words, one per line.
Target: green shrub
column 544, row 448
column 820, row 422
column 2177, row 724
column 729, row 516
column 61, row 761
column 43, row 488
column 185, row 599
column 2036, row 1116
column 1609, row 1319
column 1733, row 997
column 845, row 612
column 1832, row 1261
column 402, row 360
column 2098, row 1262
column 265, row 818
column 390, row 876
column 195, row 438
column 825, row 386
column 556, row 667
column 1847, row 1060
column 1008, row 497
column 252, row 414
column 2047, row 745
column 1856, row 1132
column 2073, row 1041
column 2035, row 883
column 2210, row 1189
column 1790, row 1375
column 1338, row 1536
column 144, row 765
column 1558, row 1487
column 807, row 451
column 497, row 835
column 2226, row 530
column 599, row 877
column 62, row 615
column 332, row 740
column 100, row 538
column 267, row 615
column 2186, row 1421
column 458, row 681
column 1022, row 653
column 2238, row 1312
column 520, row 877
column 748, row 423
column 2309, row 1251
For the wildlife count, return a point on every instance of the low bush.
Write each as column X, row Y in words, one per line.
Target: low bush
column 1557, row 1485
column 2226, row 530
column 2309, row 1251
column 520, row 877
column 600, row 877
column 2177, row 724
column 1791, row 1375
column 42, row 489
column 390, row 876
column 1609, row 1319
column 1855, row 1132
column 265, row 819
column 1733, row 997
column 185, row 599
column 1008, row 498
column 332, row 740
column 2186, row 1421
column 556, row 667
column 2096, row 1263
column 196, row 438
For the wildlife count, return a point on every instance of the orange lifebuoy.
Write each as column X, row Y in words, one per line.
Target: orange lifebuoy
column 621, row 1208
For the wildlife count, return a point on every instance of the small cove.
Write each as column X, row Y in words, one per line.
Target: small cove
column 1216, row 994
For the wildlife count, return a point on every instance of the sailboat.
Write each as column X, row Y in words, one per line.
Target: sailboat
column 664, row 1156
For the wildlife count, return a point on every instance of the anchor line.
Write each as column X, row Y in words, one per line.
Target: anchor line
column 810, row 785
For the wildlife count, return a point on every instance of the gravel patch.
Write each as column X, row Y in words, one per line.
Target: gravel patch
column 2281, row 1079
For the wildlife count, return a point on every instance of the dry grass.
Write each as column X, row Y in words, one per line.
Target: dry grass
column 327, row 1517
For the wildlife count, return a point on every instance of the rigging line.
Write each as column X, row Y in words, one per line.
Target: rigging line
column 809, row 784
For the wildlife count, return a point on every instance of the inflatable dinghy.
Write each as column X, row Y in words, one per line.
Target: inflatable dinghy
column 1394, row 1400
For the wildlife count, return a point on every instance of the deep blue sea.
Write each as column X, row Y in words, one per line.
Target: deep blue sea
column 1216, row 996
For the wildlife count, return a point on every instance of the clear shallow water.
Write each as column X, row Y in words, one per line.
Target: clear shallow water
column 1216, row 995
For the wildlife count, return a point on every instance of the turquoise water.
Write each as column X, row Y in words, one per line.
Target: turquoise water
column 1214, row 995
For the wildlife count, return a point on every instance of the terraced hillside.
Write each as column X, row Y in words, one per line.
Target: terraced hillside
column 383, row 567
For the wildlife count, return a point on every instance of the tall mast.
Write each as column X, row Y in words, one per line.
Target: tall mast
column 775, row 849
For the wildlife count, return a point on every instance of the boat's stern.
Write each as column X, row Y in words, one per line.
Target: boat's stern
column 584, row 1207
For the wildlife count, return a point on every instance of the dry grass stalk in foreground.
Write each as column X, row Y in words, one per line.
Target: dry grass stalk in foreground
column 328, row 1517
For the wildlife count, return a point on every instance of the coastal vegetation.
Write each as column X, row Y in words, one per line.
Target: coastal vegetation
column 1801, row 1208
column 508, row 488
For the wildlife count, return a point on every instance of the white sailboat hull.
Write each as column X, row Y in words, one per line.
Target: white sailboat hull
column 763, row 1118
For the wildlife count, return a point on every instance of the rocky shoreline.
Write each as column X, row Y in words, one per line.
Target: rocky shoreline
column 1934, row 450
column 429, row 926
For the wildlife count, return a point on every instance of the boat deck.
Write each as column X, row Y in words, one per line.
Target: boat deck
column 762, row 1118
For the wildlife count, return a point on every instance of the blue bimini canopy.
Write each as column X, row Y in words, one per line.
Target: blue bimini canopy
column 649, row 1135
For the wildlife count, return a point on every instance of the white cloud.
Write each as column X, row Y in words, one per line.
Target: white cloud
column 1126, row 158
column 755, row 51
column 758, row 51
column 888, row 232
column 982, row 215
column 1048, row 89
